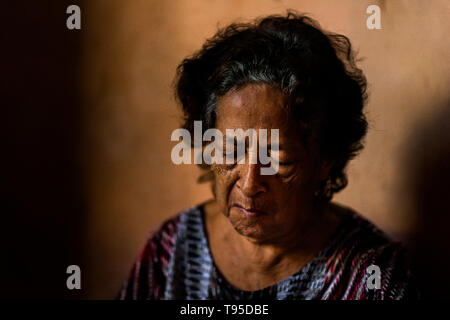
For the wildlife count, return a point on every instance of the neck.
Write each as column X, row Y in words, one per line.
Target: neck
column 251, row 265
column 296, row 246
column 283, row 254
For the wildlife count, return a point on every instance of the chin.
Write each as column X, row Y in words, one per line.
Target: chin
column 253, row 230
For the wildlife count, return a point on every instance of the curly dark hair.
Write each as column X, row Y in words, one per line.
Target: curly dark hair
column 315, row 69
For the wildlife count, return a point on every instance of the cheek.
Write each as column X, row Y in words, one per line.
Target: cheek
column 289, row 178
column 293, row 177
column 298, row 181
column 224, row 179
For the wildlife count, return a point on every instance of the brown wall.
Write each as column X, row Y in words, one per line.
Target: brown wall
column 131, row 50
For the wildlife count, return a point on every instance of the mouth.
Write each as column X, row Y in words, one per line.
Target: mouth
column 248, row 211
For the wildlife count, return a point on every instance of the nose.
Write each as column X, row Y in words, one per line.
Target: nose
column 251, row 182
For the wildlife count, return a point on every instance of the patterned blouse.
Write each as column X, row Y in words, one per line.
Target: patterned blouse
column 176, row 263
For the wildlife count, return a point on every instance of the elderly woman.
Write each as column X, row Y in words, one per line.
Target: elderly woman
column 274, row 236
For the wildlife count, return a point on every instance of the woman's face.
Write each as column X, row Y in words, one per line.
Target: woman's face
column 266, row 208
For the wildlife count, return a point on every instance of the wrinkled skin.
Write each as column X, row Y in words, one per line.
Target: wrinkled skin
column 285, row 199
column 288, row 227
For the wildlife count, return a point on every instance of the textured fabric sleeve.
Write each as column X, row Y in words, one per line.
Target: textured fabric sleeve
column 360, row 246
column 396, row 281
column 148, row 275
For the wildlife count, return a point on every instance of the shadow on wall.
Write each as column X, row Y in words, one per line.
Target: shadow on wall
column 41, row 189
column 428, row 179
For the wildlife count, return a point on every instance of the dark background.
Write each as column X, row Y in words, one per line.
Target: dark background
column 42, row 205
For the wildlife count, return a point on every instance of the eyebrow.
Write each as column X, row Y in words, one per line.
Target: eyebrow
column 284, row 146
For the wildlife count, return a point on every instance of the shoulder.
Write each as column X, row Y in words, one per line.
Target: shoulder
column 148, row 275
column 362, row 252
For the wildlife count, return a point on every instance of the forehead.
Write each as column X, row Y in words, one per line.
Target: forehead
column 257, row 106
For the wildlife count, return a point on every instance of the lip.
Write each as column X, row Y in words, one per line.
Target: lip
column 249, row 211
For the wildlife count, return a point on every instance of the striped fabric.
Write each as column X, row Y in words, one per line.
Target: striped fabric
column 176, row 264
